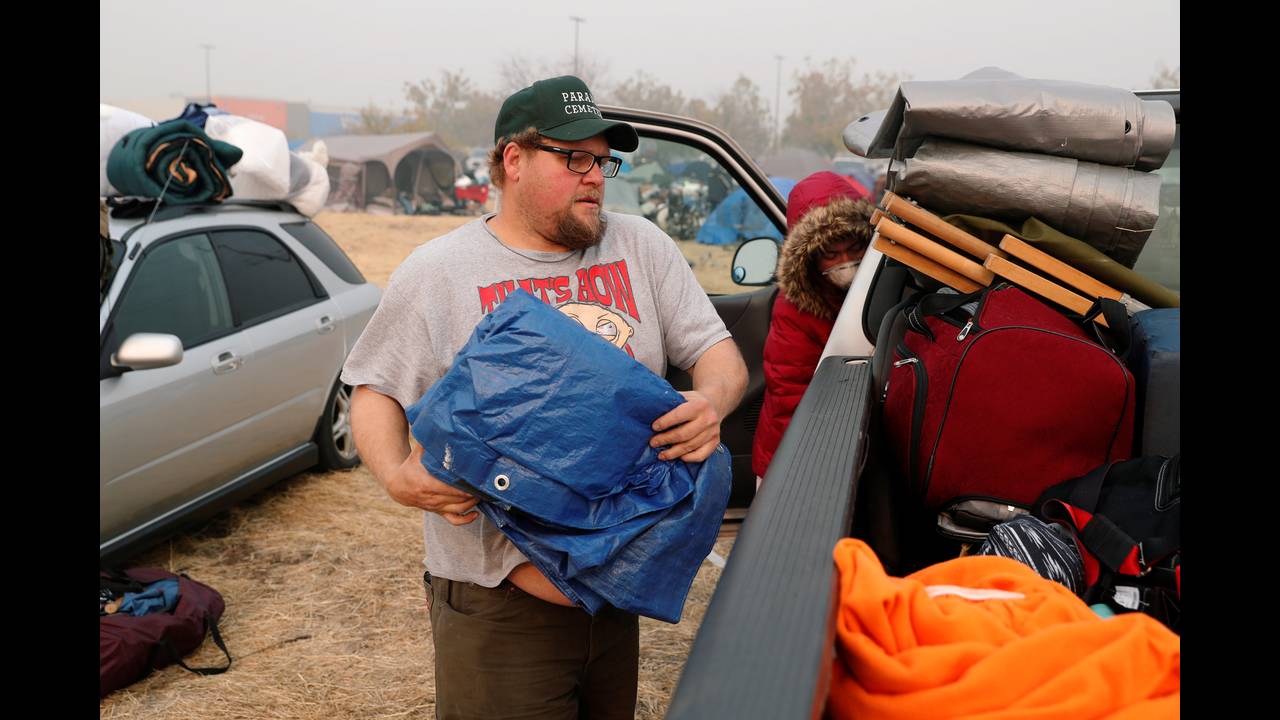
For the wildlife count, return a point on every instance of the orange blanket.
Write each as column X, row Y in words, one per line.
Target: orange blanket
column 986, row 637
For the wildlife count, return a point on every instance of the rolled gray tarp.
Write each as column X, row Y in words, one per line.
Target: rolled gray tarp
column 860, row 134
column 995, row 108
column 1112, row 209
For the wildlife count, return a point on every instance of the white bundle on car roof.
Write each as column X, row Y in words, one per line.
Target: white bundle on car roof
column 115, row 123
column 309, row 179
column 263, row 172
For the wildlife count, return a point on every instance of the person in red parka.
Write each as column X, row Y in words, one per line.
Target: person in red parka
column 828, row 231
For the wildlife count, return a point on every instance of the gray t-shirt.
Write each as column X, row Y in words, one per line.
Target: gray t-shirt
column 635, row 289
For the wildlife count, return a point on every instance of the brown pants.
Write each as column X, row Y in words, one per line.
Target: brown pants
column 502, row 653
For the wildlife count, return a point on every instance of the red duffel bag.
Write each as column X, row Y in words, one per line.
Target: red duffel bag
column 994, row 396
column 131, row 646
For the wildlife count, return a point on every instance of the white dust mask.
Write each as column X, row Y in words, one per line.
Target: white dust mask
column 842, row 274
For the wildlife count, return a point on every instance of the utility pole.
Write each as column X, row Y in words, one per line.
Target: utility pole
column 777, row 105
column 577, row 23
column 208, row 94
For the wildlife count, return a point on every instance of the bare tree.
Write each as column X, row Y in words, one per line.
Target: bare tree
column 518, row 71
column 1166, row 79
column 828, row 96
column 453, row 108
column 744, row 114
column 643, row 91
column 374, row 121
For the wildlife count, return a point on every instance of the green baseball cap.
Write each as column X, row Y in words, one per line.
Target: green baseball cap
column 561, row 108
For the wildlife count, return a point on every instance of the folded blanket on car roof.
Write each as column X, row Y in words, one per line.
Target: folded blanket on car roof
column 178, row 153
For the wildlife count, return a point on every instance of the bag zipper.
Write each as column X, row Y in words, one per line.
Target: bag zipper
column 973, row 319
column 933, row 452
column 967, row 327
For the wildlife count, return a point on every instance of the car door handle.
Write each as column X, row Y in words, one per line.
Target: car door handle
column 324, row 325
column 225, row 362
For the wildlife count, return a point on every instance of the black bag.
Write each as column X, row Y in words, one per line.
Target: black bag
column 131, row 646
column 1126, row 519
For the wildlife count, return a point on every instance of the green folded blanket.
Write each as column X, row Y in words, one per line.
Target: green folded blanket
column 195, row 165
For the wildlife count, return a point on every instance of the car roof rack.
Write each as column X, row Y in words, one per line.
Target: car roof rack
column 140, row 208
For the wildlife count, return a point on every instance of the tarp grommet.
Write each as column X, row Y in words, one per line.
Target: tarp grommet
column 502, row 482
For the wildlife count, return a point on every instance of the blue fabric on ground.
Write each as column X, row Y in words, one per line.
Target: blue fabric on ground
column 159, row 596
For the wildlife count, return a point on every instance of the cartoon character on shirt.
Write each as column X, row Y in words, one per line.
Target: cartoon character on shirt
column 604, row 322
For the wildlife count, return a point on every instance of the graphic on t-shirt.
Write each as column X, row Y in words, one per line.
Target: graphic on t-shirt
column 602, row 321
column 600, row 297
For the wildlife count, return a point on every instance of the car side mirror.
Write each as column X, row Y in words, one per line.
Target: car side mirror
column 146, row 351
column 755, row 262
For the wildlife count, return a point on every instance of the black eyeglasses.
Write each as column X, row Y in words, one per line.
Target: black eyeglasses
column 581, row 161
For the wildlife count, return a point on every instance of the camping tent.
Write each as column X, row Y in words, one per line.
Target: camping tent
column 376, row 169
column 737, row 218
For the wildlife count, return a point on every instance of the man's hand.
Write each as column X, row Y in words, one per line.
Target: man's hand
column 692, row 430
column 410, row 484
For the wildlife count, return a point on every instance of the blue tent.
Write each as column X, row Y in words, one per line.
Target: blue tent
column 738, row 218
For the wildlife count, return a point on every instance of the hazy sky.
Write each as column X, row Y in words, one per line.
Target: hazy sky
column 352, row 52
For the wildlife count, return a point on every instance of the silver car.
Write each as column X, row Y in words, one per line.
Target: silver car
column 222, row 332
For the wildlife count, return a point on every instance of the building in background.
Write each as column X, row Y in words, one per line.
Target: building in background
column 298, row 121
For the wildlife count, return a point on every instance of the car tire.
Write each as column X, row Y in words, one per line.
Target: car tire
column 333, row 431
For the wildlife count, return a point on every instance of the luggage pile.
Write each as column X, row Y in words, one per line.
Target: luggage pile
column 1062, row 166
column 207, row 155
column 1035, row 375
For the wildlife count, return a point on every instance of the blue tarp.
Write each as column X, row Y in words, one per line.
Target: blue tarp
column 738, row 218
column 549, row 424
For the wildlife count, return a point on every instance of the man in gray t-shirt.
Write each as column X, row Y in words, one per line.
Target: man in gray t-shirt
column 504, row 635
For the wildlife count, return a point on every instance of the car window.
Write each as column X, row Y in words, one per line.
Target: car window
column 1161, row 256
column 113, row 251
column 693, row 198
column 263, row 278
column 177, row 289
column 322, row 246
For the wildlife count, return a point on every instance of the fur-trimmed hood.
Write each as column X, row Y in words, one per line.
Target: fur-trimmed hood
column 798, row 276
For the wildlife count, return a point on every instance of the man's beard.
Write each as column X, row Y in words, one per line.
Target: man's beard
column 574, row 234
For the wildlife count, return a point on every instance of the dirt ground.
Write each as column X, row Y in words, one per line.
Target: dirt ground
column 322, row 577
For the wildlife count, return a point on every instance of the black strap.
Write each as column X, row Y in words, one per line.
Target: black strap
column 116, row 574
column 1158, row 548
column 943, row 303
column 211, row 626
column 1118, row 335
column 118, row 582
column 1107, row 542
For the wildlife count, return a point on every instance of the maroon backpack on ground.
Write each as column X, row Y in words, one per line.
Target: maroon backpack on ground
column 131, row 646
column 994, row 396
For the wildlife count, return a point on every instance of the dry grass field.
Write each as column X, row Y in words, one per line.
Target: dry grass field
column 322, row 577
column 377, row 244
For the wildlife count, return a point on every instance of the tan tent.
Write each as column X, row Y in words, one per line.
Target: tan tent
column 380, row 169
